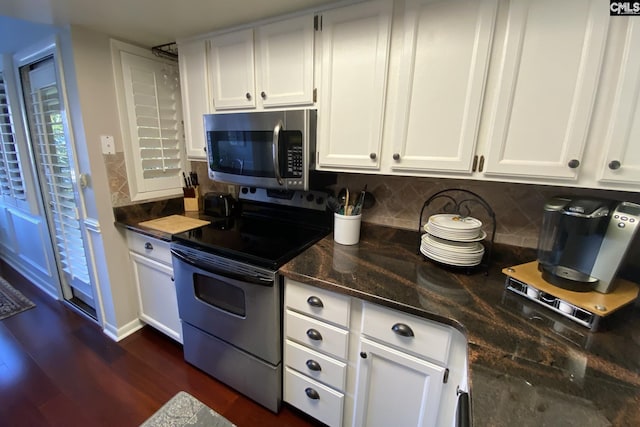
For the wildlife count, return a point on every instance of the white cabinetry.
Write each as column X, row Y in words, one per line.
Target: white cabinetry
column 546, row 84
column 361, row 369
column 354, row 60
column 443, row 72
column 195, row 95
column 402, row 369
column 153, row 274
column 621, row 160
column 281, row 67
column 316, row 342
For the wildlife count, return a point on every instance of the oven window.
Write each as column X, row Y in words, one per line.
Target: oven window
column 219, row 294
column 248, row 153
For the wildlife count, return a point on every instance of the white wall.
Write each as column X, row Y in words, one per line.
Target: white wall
column 92, row 97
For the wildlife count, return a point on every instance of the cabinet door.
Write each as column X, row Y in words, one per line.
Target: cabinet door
column 446, row 54
column 195, row 95
column 355, row 50
column 546, row 84
column 157, row 295
column 284, row 57
column 396, row 389
column 621, row 162
column 231, row 69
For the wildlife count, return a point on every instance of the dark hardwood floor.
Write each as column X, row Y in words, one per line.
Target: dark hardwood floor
column 57, row 368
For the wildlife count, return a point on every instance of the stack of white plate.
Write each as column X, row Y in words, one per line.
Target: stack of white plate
column 453, row 240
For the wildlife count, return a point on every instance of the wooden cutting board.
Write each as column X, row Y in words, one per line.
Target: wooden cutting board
column 174, row 224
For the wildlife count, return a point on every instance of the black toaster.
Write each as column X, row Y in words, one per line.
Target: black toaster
column 221, row 205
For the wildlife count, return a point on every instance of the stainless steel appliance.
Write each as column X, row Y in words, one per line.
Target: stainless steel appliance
column 274, row 149
column 229, row 290
column 583, row 242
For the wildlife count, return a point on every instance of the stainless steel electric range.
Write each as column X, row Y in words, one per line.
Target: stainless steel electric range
column 229, row 290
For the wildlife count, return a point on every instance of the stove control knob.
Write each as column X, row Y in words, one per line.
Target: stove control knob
column 310, row 197
column 320, row 200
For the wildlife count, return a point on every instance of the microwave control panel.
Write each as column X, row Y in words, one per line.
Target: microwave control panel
column 294, row 161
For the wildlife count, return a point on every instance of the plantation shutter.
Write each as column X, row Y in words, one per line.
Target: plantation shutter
column 50, row 144
column 11, row 184
column 152, row 94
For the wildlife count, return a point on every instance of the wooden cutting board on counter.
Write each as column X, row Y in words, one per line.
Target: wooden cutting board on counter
column 174, row 224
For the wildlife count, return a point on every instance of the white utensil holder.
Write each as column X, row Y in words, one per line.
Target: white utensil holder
column 346, row 229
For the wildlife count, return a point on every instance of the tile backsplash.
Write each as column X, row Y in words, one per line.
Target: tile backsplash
column 518, row 207
column 399, row 199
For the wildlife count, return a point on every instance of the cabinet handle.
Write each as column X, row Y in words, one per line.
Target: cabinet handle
column 402, row 329
column 173, row 279
column 373, row 156
column 313, row 365
column 148, row 246
column 363, row 354
column 396, row 156
column 475, row 163
column 314, row 335
column 263, row 95
column 205, row 149
column 248, row 96
column 481, row 165
column 573, row 163
column 311, row 393
column 315, row 302
column 614, row 164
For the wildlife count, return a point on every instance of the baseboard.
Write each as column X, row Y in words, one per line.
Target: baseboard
column 118, row 334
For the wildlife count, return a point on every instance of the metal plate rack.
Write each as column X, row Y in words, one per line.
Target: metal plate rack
column 461, row 202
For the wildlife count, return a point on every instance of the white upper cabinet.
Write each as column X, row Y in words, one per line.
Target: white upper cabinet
column 195, row 95
column 269, row 67
column 443, row 70
column 621, row 161
column 284, row 59
column 355, row 49
column 546, row 80
column 231, row 67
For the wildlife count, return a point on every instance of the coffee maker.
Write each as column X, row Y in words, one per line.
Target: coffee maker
column 583, row 242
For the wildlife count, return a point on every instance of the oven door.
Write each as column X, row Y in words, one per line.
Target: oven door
column 235, row 302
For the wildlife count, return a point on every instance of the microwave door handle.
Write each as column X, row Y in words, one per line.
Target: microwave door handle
column 276, row 150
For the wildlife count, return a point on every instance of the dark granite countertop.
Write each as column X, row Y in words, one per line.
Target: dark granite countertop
column 528, row 365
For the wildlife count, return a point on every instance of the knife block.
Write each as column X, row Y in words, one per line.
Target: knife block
column 193, row 201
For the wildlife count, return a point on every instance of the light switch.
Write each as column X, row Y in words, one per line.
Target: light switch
column 108, row 144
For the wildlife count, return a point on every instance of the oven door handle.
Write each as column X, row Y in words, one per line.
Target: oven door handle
column 255, row 279
column 276, row 150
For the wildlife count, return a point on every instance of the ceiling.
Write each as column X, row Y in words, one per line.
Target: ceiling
column 144, row 22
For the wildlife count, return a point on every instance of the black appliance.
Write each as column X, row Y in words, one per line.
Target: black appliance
column 219, row 205
column 229, row 290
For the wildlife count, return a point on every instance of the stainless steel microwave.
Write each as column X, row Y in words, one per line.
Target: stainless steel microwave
column 274, row 149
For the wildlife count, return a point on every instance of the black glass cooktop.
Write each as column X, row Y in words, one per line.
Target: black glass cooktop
column 265, row 242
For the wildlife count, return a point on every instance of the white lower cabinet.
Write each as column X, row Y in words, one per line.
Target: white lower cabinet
column 395, row 388
column 349, row 362
column 157, row 300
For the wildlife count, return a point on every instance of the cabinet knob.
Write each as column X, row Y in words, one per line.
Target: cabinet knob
column 311, row 393
column 614, row 164
column 363, row 354
column 263, row 94
column 402, row 329
column 373, row 156
column 205, row 149
column 315, row 302
column 314, row 335
column 396, row 156
column 173, row 279
column 573, row 163
column 313, row 365
column 148, row 246
column 248, row 96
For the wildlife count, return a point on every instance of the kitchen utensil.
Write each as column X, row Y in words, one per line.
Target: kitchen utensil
column 333, row 204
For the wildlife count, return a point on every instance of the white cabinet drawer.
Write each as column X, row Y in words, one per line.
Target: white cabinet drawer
column 326, row 407
column 318, row 303
column 322, row 368
column 328, row 338
column 430, row 339
column 150, row 247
